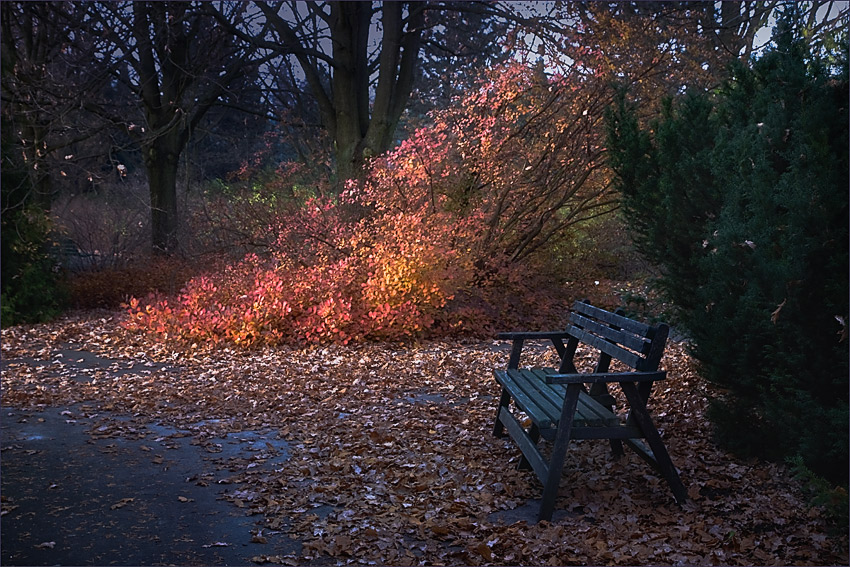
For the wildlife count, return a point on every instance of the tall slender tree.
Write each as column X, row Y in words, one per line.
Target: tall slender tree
column 178, row 62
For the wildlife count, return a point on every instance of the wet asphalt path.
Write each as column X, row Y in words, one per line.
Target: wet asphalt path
column 149, row 496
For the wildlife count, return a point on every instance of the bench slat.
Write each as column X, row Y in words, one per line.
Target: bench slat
column 523, row 400
column 536, row 386
column 618, row 352
column 532, row 335
column 536, row 381
column 542, row 402
column 620, row 321
column 606, row 377
column 589, row 412
column 623, row 337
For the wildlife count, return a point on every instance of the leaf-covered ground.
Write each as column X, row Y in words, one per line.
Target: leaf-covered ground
column 393, row 462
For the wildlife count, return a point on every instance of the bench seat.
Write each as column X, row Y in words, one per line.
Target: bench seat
column 542, row 402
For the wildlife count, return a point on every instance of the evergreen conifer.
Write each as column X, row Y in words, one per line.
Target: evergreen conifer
column 741, row 197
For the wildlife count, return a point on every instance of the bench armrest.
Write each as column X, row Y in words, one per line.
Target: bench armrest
column 605, row 377
column 531, row 335
column 519, row 338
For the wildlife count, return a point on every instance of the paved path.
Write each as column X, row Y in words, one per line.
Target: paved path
column 149, row 496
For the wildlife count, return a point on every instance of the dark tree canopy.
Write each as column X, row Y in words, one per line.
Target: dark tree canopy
column 150, row 73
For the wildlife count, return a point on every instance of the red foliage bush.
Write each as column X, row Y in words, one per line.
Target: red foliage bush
column 445, row 235
column 381, row 290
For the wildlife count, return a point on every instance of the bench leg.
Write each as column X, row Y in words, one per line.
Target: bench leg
column 653, row 438
column 513, row 362
column 559, row 452
column 599, row 392
column 534, row 435
column 617, row 448
column 504, row 402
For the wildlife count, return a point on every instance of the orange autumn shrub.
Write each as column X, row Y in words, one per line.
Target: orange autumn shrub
column 448, row 234
column 348, row 283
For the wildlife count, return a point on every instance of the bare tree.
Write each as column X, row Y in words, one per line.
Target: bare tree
column 44, row 76
column 360, row 60
column 734, row 26
column 361, row 121
column 178, row 62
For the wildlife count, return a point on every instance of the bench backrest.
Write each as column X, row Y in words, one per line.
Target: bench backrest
column 636, row 344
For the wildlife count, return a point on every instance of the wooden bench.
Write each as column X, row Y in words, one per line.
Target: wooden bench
column 560, row 408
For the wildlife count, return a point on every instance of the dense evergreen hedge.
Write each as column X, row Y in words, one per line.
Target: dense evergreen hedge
column 741, row 197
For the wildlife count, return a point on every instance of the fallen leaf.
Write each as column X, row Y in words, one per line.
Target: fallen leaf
column 46, row 545
column 774, row 317
column 434, row 498
column 121, row 503
column 6, row 509
column 484, row 550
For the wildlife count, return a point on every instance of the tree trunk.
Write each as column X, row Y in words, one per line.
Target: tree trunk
column 359, row 126
column 162, row 157
column 397, row 71
column 349, row 29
